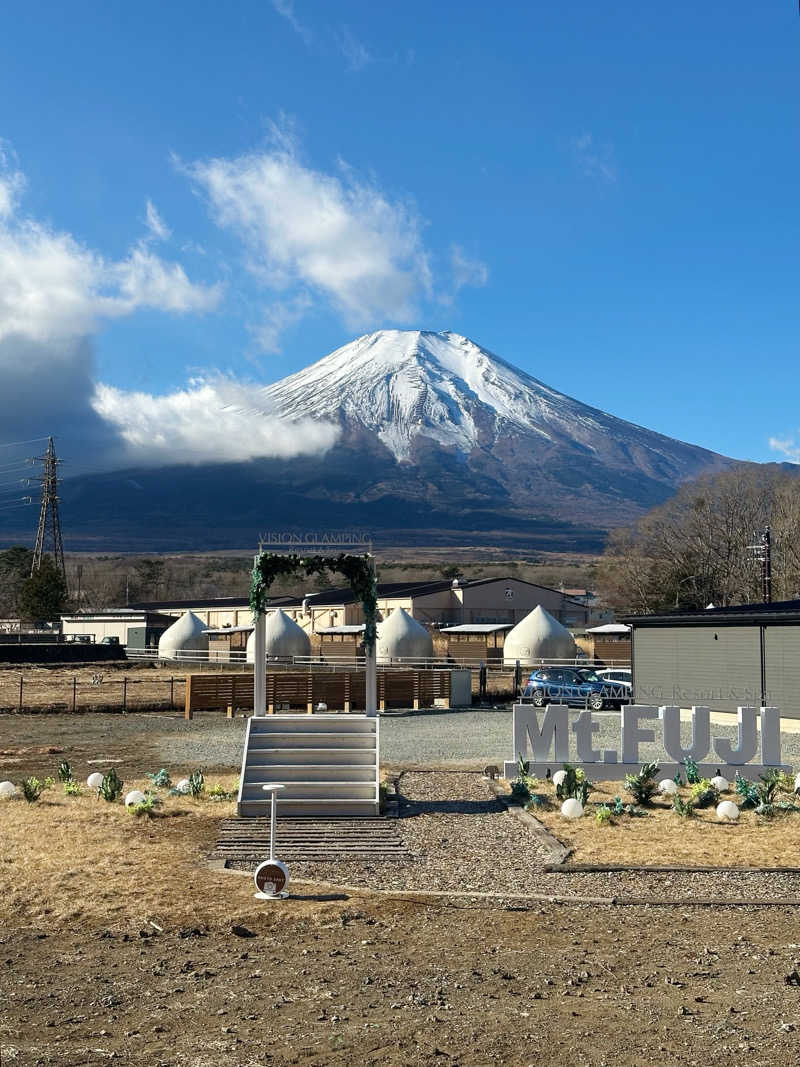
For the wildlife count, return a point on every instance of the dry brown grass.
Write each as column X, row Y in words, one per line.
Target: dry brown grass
column 82, row 860
column 661, row 837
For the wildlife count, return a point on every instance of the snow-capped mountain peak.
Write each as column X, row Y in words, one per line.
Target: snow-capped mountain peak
column 404, row 384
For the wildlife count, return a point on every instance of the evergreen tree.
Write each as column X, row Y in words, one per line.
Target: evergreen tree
column 43, row 596
column 15, row 569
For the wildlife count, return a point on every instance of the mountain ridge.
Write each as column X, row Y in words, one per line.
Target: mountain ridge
column 440, row 441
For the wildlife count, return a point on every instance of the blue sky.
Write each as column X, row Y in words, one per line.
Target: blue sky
column 603, row 195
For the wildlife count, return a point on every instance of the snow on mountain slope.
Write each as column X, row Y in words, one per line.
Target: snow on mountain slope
column 408, row 384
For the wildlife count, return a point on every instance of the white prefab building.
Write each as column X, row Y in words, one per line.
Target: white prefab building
column 188, row 634
column 139, row 629
column 721, row 658
column 401, row 637
column 284, row 638
column 538, row 637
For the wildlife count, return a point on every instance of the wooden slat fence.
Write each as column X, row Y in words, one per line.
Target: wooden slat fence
column 339, row 690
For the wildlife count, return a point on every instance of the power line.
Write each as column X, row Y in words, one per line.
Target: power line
column 33, row 441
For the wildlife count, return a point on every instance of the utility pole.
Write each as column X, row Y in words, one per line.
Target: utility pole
column 49, row 520
column 762, row 553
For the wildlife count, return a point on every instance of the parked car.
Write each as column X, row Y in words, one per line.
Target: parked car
column 620, row 677
column 110, row 641
column 578, row 687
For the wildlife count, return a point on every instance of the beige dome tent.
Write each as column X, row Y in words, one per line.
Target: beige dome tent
column 187, row 634
column 538, row 636
column 401, row 637
column 285, row 638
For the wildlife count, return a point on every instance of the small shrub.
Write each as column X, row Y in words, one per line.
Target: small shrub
column 31, row 789
column 218, row 792
column 642, row 786
column 520, row 791
column 603, row 815
column 197, row 783
column 692, row 773
column 64, row 771
column 144, row 807
column 49, row 782
column 704, row 794
column 748, row 791
column 619, row 806
column 575, row 784
column 536, row 800
column 684, row 808
column 111, row 787
column 678, row 779
column 72, row 788
column 161, row 779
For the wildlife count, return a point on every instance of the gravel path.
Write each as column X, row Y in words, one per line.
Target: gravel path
column 462, row 839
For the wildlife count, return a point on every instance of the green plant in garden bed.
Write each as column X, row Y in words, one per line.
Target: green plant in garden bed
column 219, row 792
column 146, row 806
column 704, row 794
column 684, row 808
column 197, row 783
column 603, row 815
column 72, row 788
column 31, row 789
column 575, row 784
column 64, row 771
column 642, row 786
column 523, row 785
column 160, row 778
column 692, row 773
column 111, row 786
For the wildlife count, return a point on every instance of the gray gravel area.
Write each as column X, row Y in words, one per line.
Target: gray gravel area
column 466, row 739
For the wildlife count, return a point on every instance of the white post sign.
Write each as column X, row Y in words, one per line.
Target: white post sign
column 547, row 739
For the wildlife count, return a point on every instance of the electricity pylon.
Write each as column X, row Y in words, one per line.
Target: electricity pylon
column 49, row 520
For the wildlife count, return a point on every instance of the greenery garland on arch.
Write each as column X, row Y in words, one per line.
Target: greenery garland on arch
column 358, row 571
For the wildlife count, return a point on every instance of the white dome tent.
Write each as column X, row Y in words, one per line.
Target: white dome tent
column 285, row 638
column 401, row 637
column 538, row 636
column 188, row 634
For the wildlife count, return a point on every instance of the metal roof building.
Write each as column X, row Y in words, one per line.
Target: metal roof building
column 721, row 658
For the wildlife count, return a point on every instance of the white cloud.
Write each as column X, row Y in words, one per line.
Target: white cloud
column 467, row 270
column 277, row 318
column 339, row 237
column 356, row 54
column 155, row 224
column 787, row 446
column 217, row 421
column 12, row 180
column 285, row 8
column 595, row 160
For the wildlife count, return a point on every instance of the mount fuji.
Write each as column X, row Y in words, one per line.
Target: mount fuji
column 439, row 441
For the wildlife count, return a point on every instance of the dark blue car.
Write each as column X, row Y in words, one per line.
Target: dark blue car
column 578, row 687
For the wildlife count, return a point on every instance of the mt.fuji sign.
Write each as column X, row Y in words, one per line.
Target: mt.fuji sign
column 546, row 742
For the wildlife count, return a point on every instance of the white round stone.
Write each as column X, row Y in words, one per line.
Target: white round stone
column 726, row 809
column 7, row 789
column 95, row 780
column 797, row 782
column 136, row 796
column 720, row 783
column 558, row 777
column 572, row 808
column 182, row 786
column 667, row 787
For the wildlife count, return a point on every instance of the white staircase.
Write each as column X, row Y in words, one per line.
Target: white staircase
column 328, row 765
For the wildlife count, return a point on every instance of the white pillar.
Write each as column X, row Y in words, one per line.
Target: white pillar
column 260, row 666
column 372, row 681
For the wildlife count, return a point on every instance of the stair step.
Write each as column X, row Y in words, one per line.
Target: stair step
column 326, row 808
column 308, row 772
column 312, row 790
column 259, row 742
column 269, row 762
column 340, row 724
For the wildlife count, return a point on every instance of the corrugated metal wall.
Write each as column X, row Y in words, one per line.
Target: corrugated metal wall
column 688, row 665
column 782, row 667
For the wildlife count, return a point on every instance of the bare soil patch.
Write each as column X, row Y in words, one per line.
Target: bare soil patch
column 117, row 942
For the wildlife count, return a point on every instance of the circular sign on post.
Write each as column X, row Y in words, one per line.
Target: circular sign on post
column 271, row 878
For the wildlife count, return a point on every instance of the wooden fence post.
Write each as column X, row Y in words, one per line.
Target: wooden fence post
column 124, row 696
column 417, row 687
column 20, row 692
column 310, row 694
column 74, row 691
column 382, row 691
column 171, row 693
column 347, row 692
column 187, row 714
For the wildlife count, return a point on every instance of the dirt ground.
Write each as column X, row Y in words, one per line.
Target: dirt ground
column 119, row 945
column 109, row 686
